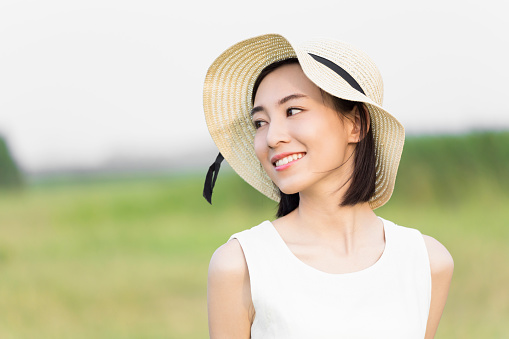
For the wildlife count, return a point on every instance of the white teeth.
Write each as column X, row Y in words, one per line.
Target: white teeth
column 288, row 159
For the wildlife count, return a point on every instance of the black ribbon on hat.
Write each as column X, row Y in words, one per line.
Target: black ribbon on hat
column 210, row 179
column 339, row 71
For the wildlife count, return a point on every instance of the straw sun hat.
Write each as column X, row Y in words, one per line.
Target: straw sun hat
column 335, row 67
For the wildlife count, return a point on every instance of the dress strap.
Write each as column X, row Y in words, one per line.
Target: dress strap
column 262, row 252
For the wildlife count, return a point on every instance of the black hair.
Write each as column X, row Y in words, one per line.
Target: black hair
column 362, row 185
column 269, row 69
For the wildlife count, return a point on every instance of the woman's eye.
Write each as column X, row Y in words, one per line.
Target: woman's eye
column 258, row 123
column 292, row 111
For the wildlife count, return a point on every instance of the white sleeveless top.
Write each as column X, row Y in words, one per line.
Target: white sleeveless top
column 293, row 300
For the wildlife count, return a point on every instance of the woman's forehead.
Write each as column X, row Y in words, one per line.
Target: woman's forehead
column 284, row 81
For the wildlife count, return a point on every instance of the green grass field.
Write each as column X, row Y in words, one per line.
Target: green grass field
column 127, row 258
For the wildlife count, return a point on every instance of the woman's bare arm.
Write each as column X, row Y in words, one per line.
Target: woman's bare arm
column 442, row 266
column 230, row 307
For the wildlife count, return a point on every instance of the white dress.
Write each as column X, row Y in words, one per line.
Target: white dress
column 293, row 300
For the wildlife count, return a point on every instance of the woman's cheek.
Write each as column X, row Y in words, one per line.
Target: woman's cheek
column 260, row 150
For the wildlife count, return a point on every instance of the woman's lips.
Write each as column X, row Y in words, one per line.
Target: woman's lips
column 288, row 160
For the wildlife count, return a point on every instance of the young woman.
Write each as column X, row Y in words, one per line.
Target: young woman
column 305, row 126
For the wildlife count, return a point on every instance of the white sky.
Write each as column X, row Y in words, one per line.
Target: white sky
column 84, row 81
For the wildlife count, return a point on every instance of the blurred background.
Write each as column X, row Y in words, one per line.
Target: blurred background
column 104, row 232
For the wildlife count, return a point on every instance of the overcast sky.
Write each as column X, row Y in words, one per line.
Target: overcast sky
column 85, row 81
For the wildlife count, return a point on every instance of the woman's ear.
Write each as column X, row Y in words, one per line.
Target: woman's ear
column 355, row 126
column 357, row 133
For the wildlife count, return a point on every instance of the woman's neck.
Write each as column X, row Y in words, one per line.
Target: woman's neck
column 325, row 221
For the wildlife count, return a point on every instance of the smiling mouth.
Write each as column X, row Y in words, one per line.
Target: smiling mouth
column 288, row 159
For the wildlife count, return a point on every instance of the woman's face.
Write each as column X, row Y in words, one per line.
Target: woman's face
column 300, row 140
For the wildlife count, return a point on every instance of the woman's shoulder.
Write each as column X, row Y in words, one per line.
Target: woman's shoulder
column 229, row 260
column 439, row 257
column 441, row 261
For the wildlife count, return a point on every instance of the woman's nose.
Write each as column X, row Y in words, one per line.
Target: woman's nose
column 277, row 133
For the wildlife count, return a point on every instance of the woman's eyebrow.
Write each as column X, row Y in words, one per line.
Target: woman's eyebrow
column 256, row 109
column 291, row 97
column 280, row 102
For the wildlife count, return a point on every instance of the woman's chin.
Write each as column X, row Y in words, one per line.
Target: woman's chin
column 288, row 188
column 292, row 184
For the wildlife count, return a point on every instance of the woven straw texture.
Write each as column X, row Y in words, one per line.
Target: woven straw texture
column 227, row 104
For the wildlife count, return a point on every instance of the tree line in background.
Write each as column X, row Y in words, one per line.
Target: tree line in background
column 10, row 175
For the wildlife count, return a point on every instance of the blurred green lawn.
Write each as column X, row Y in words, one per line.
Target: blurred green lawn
column 127, row 258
